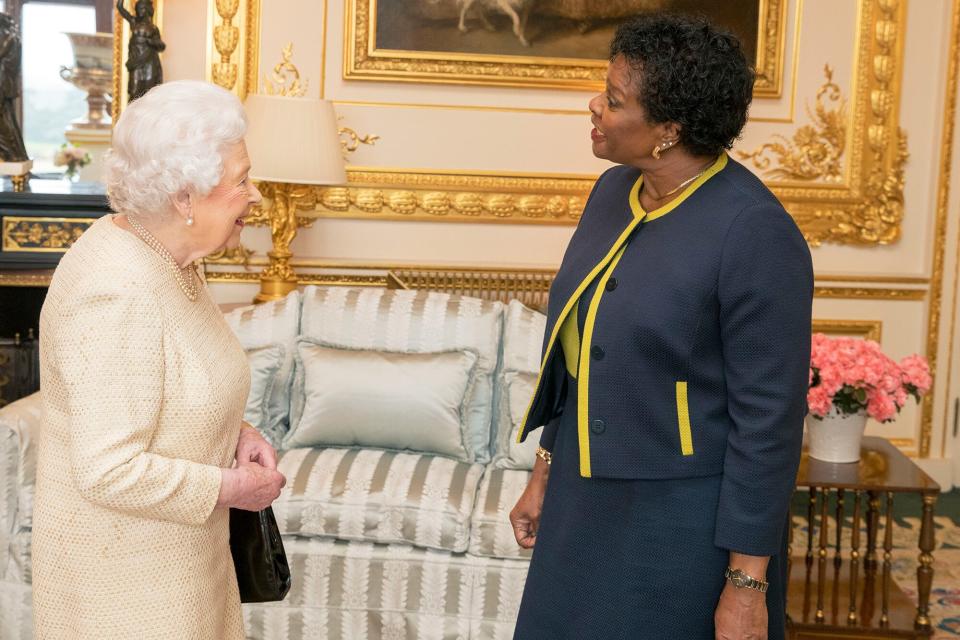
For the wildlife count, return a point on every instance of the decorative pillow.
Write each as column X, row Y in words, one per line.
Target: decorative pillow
column 523, row 338
column 415, row 322
column 516, row 383
column 265, row 364
column 517, row 392
column 381, row 399
column 264, row 325
column 377, row 496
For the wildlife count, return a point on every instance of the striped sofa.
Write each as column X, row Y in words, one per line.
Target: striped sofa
column 384, row 543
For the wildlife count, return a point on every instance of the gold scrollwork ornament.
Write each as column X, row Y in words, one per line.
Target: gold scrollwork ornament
column 816, row 151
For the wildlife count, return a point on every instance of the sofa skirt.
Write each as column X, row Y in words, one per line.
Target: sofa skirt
column 359, row 590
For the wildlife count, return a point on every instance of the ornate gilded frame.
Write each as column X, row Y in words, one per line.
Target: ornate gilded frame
column 363, row 60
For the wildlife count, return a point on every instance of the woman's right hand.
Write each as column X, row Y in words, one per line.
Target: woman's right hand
column 525, row 516
column 250, row 486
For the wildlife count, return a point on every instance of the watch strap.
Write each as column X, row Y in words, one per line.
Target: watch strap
column 742, row 581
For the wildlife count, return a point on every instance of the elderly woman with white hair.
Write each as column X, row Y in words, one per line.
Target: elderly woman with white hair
column 143, row 447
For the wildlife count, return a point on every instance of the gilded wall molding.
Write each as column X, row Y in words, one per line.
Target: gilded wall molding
column 233, row 45
column 866, row 329
column 869, row 293
column 815, row 151
column 409, row 194
column 940, row 243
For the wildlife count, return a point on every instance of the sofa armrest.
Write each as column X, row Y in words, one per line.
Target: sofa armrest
column 19, row 431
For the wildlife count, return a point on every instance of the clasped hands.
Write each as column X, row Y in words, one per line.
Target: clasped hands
column 254, row 482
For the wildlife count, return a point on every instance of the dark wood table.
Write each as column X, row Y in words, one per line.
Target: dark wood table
column 853, row 594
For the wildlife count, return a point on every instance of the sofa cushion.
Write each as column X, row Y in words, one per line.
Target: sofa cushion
column 516, row 390
column 266, row 325
column 378, row 496
column 381, row 399
column 523, row 338
column 19, row 430
column 18, row 567
column 414, row 322
column 265, row 364
column 516, row 382
column 492, row 535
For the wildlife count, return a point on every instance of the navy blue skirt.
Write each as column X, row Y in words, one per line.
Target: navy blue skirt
column 628, row 559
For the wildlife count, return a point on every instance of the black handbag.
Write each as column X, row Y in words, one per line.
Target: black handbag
column 263, row 574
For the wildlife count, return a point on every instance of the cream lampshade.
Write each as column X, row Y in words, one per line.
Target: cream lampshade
column 291, row 141
column 294, row 140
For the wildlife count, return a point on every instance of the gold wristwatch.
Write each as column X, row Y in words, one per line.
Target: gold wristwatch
column 742, row 581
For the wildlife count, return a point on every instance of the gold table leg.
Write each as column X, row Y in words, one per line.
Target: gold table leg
column 822, row 554
column 925, row 570
column 887, row 556
column 854, row 557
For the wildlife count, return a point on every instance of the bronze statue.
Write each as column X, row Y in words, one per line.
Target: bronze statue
column 11, row 137
column 143, row 59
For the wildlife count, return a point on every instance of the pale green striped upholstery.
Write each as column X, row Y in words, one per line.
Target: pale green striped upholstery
column 16, row 611
column 265, row 326
column 491, row 534
column 355, row 590
column 378, row 496
column 522, row 344
column 19, row 423
column 412, row 322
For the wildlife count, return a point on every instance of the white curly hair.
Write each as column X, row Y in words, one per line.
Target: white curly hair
column 171, row 141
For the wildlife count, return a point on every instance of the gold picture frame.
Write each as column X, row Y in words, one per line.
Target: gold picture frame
column 364, row 60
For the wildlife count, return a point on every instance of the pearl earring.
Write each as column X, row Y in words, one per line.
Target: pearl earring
column 190, row 220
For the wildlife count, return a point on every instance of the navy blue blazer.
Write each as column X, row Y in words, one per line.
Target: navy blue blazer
column 694, row 359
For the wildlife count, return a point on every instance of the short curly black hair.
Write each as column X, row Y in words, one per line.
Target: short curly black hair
column 690, row 73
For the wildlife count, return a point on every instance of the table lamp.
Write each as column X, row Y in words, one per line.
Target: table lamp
column 294, row 145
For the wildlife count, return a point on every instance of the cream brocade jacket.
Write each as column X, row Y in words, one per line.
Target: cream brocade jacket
column 143, row 395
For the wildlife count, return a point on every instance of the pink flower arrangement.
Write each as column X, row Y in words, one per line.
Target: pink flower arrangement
column 855, row 376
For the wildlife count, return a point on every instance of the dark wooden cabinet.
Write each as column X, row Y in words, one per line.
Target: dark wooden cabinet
column 37, row 226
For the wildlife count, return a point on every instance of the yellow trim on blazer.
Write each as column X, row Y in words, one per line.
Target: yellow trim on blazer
column 639, row 215
column 570, row 341
column 583, row 375
column 715, row 168
column 683, row 419
column 573, row 300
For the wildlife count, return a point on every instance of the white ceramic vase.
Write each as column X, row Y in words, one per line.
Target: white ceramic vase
column 836, row 436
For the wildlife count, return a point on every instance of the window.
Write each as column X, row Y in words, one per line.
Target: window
column 49, row 102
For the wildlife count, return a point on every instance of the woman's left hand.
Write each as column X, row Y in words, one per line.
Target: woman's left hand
column 253, row 448
column 741, row 614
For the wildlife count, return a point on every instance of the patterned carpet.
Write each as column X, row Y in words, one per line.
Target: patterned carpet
column 945, row 598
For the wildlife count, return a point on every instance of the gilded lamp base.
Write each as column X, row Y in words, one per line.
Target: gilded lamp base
column 274, row 288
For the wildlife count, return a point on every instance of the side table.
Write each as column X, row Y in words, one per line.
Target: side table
column 853, row 595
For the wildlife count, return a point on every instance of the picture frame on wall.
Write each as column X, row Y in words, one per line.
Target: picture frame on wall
column 559, row 44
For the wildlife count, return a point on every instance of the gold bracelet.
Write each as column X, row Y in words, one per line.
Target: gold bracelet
column 544, row 455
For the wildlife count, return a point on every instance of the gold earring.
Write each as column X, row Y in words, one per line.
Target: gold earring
column 656, row 152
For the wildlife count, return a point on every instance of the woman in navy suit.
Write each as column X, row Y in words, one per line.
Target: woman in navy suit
column 676, row 356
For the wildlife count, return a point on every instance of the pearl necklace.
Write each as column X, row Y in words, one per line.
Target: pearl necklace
column 187, row 284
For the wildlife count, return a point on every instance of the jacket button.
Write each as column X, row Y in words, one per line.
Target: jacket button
column 611, row 284
column 598, row 426
column 597, row 353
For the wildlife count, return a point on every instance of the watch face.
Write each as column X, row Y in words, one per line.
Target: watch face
column 738, row 578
